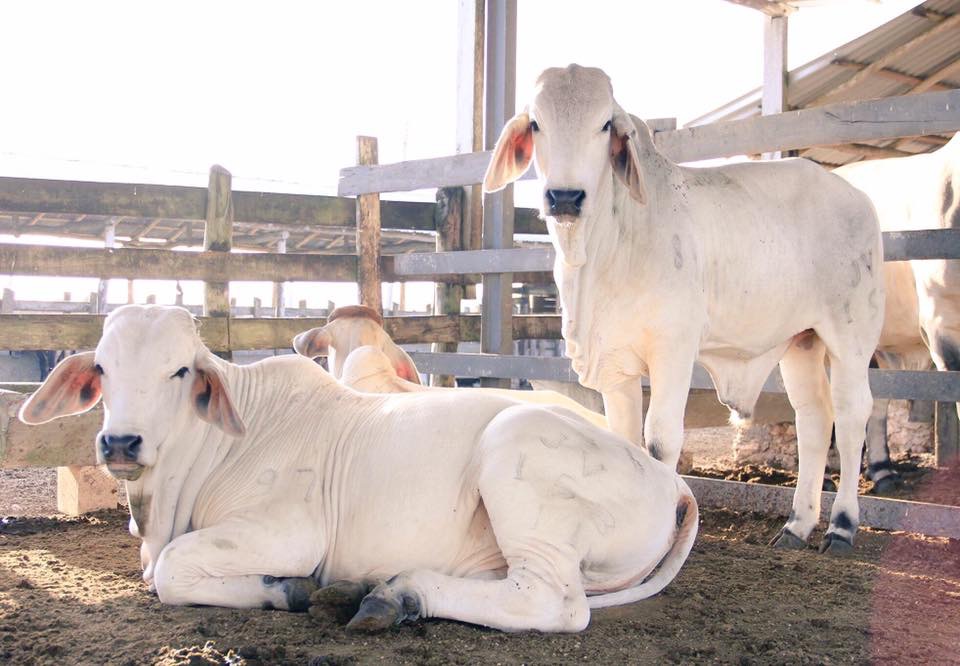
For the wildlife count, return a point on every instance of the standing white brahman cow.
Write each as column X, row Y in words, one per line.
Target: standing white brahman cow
column 369, row 366
column 251, row 484
column 923, row 297
column 738, row 267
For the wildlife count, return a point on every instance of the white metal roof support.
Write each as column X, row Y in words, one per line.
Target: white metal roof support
column 500, row 84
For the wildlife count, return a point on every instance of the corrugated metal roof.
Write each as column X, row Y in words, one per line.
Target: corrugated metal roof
column 917, row 46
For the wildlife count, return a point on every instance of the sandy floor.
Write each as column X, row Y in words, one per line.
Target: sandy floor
column 70, row 592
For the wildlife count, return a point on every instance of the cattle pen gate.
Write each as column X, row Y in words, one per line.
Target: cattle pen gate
column 216, row 209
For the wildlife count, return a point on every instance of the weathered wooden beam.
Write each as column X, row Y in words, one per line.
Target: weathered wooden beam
column 867, row 150
column 932, row 80
column 935, row 520
column 40, row 196
column 168, row 265
column 451, row 207
column 368, row 233
column 773, row 8
column 890, row 118
column 218, row 237
column 900, row 77
column 773, row 98
column 946, row 434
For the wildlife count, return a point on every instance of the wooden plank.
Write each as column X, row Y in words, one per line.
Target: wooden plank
column 848, row 122
column 171, row 265
column 85, row 488
column 922, row 244
column 218, row 237
column 946, row 433
column 36, row 195
column 368, row 233
column 437, row 264
column 935, row 520
column 471, row 23
column 768, row 7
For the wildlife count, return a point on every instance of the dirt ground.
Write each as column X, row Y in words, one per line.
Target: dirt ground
column 70, row 593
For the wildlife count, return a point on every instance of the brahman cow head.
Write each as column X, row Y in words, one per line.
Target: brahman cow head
column 580, row 139
column 350, row 327
column 153, row 373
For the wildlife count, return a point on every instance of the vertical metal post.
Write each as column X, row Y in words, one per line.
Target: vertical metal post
column 774, row 98
column 500, row 84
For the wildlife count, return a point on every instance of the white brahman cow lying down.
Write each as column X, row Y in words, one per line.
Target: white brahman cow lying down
column 923, row 297
column 739, row 267
column 355, row 338
column 250, row 485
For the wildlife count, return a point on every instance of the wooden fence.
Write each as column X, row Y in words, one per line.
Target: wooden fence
column 218, row 206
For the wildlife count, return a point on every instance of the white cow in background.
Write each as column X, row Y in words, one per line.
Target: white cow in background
column 739, row 267
column 249, row 485
column 923, row 296
column 371, row 368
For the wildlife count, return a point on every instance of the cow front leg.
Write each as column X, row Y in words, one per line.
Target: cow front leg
column 240, row 564
column 879, row 468
column 670, row 376
column 623, row 406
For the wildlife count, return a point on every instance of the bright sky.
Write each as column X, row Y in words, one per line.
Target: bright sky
column 277, row 92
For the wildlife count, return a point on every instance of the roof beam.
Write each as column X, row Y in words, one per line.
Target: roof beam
column 768, row 7
column 880, row 63
column 934, row 79
column 900, row 77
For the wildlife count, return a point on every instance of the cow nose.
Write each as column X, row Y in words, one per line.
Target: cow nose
column 124, row 447
column 565, row 202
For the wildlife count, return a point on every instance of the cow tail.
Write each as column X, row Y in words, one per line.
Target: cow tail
column 688, row 521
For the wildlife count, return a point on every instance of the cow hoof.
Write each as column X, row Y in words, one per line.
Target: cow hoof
column 340, row 598
column 885, row 485
column 375, row 614
column 835, row 544
column 786, row 539
column 828, row 485
column 298, row 592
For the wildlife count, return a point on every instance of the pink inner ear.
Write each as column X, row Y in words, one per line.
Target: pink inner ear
column 404, row 372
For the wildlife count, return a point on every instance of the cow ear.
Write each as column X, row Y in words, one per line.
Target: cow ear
column 211, row 400
column 511, row 155
column 313, row 343
column 404, row 367
column 625, row 156
column 72, row 388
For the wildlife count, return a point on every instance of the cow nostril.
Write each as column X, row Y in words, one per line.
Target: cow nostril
column 127, row 446
column 565, row 201
column 578, row 199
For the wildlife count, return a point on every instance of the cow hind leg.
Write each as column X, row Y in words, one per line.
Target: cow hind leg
column 852, row 404
column 879, row 468
column 804, row 376
column 522, row 601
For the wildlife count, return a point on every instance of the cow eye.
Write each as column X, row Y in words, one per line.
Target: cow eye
column 98, row 369
column 534, row 126
column 606, row 126
column 180, row 373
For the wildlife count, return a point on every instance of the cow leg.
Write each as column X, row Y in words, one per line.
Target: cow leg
column 805, row 379
column 623, row 405
column 241, row 564
column 525, row 600
column 670, row 376
column 852, row 404
column 879, row 468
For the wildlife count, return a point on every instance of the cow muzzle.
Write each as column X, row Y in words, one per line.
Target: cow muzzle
column 564, row 203
column 120, row 453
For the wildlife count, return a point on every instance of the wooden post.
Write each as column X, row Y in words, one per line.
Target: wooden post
column 278, row 309
column 774, row 98
column 368, row 233
column 496, row 329
column 947, row 434
column 448, row 217
column 218, row 237
column 109, row 242
column 8, row 302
